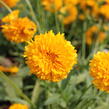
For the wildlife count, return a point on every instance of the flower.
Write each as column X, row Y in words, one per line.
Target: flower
column 18, row 106
column 11, row 3
column 68, row 14
column 101, row 36
column 73, row 2
column 52, row 5
column 94, row 34
column 89, row 7
column 18, row 29
column 13, row 15
column 50, row 57
column 107, row 1
column 104, row 11
column 99, row 70
column 12, row 70
column 90, row 33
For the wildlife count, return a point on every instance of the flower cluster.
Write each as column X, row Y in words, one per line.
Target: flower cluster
column 68, row 9
column 18, row 29
column 50, row 57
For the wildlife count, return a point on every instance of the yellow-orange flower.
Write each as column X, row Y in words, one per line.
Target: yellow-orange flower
column 50, row 57
column 99, row 70
column 101, row 36
column 107, row 1
column 12, row 70
column 52, row 5
column 73, row 2
column 104, row 11
column 89, row 7
column 18, row 29
column 89, row 34
column 94, row 34
column 11, row 3
column 68, row 14
column 18, row 106
column 12, row 16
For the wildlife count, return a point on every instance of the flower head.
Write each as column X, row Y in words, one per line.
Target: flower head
column 99, row 70
column 18, row 29
column 50, row 57
column 18, row 106
column 12, row 16
column 52, row 5
column 104, row 11
column 94, row 34
column 73, row 2
column 11, row 3
column 68, row 14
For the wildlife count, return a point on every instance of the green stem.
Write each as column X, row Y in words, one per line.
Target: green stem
column 84, row 42
column 15, row 87
column 83, row 94
column 93, row 52
column 36, row 92
column 33, row 15
column 6, row 6
column 57, row 23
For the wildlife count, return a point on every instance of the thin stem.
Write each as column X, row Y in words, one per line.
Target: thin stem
column 84, row 42
column 33, row 15
column 83, row 94
column 57, row 23
column 16, row 88
column 6, row 6
column 93, row 51
column 36, row 92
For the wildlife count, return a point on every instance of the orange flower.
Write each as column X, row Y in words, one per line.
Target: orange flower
column 94, row 34
column 11, row 3
column 12, row 16
column 73, row 2
column 18, row 29
column 104, row 11
column 52, row 5
column 18, row 106
column 89, row 34
column 99, row 70
column 68, row 14
column 50, row 57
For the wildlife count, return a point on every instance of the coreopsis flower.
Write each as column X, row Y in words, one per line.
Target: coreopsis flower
column 12, row 70
column 50, row 57
column 87, row 3
column 94, row 34
column 90, row 7
column 11, row 3
column 104, row 11
column 68, row 14
column 12, row 16
column 18, row 29
column 107, row 1
column 18, row 106
column 101, row 36
column 52, row 5
column 99, row 70
column 73, row 2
